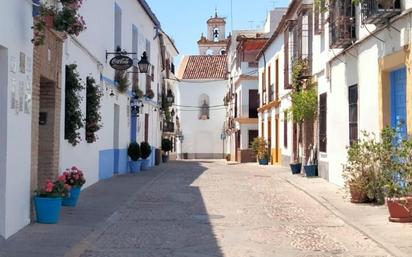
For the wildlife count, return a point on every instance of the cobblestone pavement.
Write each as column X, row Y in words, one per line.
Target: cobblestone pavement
column 208, row 208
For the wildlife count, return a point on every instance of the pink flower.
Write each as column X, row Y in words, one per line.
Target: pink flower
column 62, row 178
column 67, row 187
column 76, row 176
column 74, row 168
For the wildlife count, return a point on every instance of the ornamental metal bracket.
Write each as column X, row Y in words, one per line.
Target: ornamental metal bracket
column 119, row 53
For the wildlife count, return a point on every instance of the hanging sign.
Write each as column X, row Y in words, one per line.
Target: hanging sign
column 121, row 62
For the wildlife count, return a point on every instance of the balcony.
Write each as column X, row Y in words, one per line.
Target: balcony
column 342, row 23
column 379, row 11
column 169, row 127
column 248, row 68
column 246, row 112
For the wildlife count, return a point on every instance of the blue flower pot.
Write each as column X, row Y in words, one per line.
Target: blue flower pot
column 145, row 164
column 311, row 170
column 135, row 166
column 47, row 209
column 73, row 197
column 296, row 168
column 263, row 162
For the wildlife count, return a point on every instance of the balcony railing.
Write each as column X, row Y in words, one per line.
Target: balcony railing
column 169, row 127
column 342, row 23
column 379, row 11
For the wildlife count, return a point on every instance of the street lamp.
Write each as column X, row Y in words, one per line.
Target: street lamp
column 143, row 64
column 170, row 97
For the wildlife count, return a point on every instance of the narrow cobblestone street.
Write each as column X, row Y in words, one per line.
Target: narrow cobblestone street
column 212, row 209
column 209, row 208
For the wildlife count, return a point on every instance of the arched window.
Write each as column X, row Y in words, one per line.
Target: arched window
column 204, row 107
column 216, row 34
column 222, row 51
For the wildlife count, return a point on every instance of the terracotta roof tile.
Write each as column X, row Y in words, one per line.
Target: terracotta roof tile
column 205, row 67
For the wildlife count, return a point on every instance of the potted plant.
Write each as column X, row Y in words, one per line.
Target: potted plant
column 134, row 153
column 166, row 147
column 311, row 168
column 398, row 182
column 75, row 179
column 304, row 99
column 146, row 150
column 259, row 148
column 48, row 200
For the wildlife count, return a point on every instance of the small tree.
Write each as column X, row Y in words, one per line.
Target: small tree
column 134, row 151
column 166, row 145
column 304, row 98
column 259, row 148
column 146, row 150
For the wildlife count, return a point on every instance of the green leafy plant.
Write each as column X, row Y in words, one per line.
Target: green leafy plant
column 166, row 108
column 380, row 168
column 134, row 151
column 260, row 148
column 166, row 145
column 122, row 79
column 304, row 98
column 73, row 113
column 146, row 150
column 56, row 189
column 74, row 177
column 68, row 20
column 93, row 116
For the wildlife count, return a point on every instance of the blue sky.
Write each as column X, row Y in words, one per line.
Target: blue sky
column 185, row 20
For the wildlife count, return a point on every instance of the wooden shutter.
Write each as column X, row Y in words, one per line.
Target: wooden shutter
column 146, row 127
column 353, row 113
column 252, row 134
column 253, row 103
column 323, row 122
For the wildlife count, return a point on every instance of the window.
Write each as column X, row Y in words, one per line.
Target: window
column 269, row 84
column 117, row 27
column 216, row 35
column 252, row 134
column 253, row 103
column 322, row 122
column 285, row 130
column 146, row 127
column 263, row 88
column 353, row 113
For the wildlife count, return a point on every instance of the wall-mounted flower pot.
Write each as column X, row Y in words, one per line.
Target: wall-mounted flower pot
column 311, row 170
column 146, row 164
column 165, row 158
column 135, row 166
column 47, row 209
column 73, row 197
column 296, row 168
column 357, row 195
column 400, row 209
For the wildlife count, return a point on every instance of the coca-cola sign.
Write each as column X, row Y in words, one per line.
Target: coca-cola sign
column 121, row 62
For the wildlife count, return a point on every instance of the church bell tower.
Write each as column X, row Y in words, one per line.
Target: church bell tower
column 215, row 43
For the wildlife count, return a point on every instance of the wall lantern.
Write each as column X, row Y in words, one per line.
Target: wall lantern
column 170, row 97
column 135, row 105
column 144, row 64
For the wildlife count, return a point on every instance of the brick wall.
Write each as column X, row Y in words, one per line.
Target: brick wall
column 47, row 67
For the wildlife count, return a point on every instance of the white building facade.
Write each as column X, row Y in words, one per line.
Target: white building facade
column 16, row 60
column 33, row 80
column 200, row 108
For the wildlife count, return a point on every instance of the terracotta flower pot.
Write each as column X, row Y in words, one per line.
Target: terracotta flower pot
column 357, row 196
column 400, row 209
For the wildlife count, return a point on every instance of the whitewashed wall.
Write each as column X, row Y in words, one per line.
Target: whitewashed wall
column 201, row 136
column 88, row 51
column 15, row 144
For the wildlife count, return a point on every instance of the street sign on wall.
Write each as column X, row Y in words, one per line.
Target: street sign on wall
column 121, row 62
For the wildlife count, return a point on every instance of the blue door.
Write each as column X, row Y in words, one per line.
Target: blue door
column 398, row 102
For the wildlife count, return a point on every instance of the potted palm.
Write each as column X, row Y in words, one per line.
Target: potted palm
column 48, row 200
column 304, row 99
column 259, row 148
column 166, row 147
column 146, row 150
column 75, row 179
column 134, row 153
